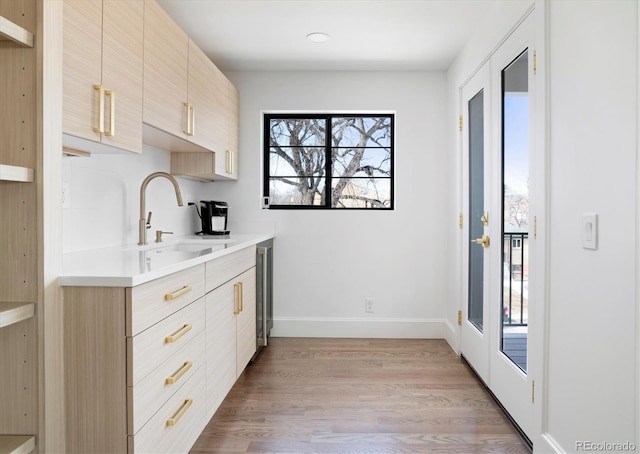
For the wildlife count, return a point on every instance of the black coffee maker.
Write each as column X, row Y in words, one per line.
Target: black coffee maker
column 213, row 215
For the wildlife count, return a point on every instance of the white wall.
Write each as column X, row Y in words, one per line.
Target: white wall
column 328, row 262
column 103, row 204
column 592, row 303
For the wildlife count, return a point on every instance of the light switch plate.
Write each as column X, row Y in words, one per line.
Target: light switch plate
column 590, row 231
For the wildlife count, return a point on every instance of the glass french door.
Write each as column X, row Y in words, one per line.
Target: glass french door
column 513, row 76
column 497, row 116
column 476, row 117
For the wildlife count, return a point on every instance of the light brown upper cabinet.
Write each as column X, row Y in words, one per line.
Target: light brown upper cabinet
column 227, row 128
column 189, row 105
column 102, row 71
column 223, row 132
column 178, row 85
column 166, row 63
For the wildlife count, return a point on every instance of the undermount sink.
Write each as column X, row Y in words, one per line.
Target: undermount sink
column 184, row 245
column 179, row 247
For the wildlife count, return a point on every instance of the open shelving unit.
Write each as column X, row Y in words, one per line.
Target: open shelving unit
column 18, row 327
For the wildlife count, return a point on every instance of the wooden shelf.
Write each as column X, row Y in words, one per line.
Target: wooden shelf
column 11, row 313
column 15, row 173
column 17, row 444
column 13, row 32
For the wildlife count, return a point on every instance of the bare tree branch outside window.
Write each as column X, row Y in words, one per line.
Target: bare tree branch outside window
column 330, row 161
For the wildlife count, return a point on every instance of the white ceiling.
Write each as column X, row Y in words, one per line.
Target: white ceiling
column 365, row 34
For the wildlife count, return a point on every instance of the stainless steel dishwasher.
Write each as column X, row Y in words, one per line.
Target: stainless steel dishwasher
column 264, row 293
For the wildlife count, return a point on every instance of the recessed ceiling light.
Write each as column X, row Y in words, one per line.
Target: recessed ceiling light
column 318, row 37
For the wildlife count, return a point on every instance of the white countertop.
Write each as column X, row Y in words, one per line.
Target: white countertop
column 128, row 266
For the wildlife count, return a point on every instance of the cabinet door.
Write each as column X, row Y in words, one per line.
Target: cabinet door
column 82, row 67
column 221, row 344
column 102, row 44
column 202, row 72
column 226, row 125
column 246, row 320
column 166, row 49
column 122, row 47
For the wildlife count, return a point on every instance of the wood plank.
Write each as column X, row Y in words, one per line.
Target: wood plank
column 13, row 32
column 361, row 396
column 16, row 173
column 17, row 444
column 11, row 313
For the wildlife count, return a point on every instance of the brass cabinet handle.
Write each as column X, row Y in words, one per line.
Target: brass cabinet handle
column 241, row 297
column 183, row 370
column 193, row 119
column 185, row 406
column 229, row 163
column 100, row 127
column 188, row 130
column 237, row 303
column 178, row 334
column 112, row 113
column 484, row 241
column 177, row 293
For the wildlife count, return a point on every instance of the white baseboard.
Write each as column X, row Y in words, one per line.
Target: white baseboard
column 361, row 328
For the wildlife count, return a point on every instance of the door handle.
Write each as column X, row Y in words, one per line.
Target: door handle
column 484, row 241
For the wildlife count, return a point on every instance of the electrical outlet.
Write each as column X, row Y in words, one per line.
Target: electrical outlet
column 368, row 304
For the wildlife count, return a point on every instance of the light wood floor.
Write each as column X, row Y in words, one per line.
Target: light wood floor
column 358, row 396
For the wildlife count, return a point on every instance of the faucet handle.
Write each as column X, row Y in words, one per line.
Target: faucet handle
column 148, row 225
column 159, row 234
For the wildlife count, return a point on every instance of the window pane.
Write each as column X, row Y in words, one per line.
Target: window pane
column 297, row 131
column 515, row 179
column 361, row 162
column 361, row 193
column 305, row 156
column 297, row 191
column 299, row 161
column 361, row 131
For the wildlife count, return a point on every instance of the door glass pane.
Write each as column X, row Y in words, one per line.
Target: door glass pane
column 515, row 203
column 475, row 309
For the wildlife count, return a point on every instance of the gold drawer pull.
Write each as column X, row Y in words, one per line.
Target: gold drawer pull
column 177, row 293
column 183, row 370
column 185, row 406
column 178, row 334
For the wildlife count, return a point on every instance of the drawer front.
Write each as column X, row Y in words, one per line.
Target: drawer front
column 149, row 303
column 221, row 270
column 187, row 409
column 156, row 388
column 149, row 349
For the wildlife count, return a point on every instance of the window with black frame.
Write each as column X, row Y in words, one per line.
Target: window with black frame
column 325, row 161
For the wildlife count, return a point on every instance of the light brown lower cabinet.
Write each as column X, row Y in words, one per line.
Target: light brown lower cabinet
column 231, row 334
column 139, row 360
